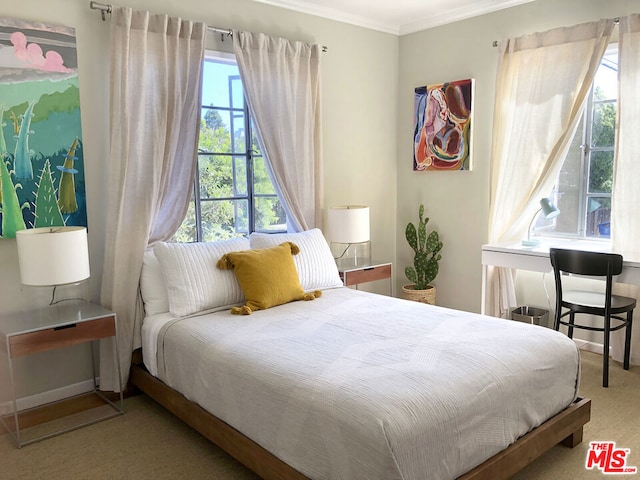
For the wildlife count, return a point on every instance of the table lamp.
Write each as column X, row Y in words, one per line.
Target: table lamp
column 53, row 256
column 549, row 210
column 348, row 231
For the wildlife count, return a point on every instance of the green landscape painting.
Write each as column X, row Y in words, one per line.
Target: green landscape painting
column 42, row 169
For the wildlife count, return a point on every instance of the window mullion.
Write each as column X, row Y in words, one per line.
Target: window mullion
column 197, row 202
column 585, row 164
column 249, row 158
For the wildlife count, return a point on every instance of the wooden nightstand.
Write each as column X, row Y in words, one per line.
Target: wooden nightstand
column 364, row 271
column 58, row 326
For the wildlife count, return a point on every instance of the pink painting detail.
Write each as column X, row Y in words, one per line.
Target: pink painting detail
column 442, row 133
column 32, row 54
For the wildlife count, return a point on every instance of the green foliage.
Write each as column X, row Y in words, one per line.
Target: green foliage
column 603, row 134
column 49, row 103
column 47, row 209
column 601, row 172
column 223, row 186
column 66, row 101
column 604, row 125
column 216, row 139
column 213, row 120
column 11, row 210
column 67, row 189
column 426, row 247
column 3, row 144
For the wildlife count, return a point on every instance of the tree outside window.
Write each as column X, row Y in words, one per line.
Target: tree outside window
column 233, row 194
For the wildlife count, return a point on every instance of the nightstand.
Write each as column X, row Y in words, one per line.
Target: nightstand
column 364, row 271
column 27, row 333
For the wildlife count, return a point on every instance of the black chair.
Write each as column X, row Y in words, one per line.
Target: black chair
column 606, row 305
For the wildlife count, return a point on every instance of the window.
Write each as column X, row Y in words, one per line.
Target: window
column 233, row 194
column 583, row 190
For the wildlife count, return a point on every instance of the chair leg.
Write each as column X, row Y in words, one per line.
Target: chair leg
column 572, row 318
column 556, row 322
column 627, row 340
column 605, row 352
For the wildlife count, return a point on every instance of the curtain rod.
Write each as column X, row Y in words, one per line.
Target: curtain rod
column 108, row 8
column 495, row 42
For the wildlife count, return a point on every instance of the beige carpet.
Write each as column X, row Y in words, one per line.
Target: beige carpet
column 615, row 416
column 149, row 443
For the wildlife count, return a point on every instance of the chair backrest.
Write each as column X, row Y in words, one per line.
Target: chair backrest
column 579, row 262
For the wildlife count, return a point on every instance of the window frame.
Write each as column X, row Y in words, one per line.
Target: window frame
column 248, row 156
column 543, row 226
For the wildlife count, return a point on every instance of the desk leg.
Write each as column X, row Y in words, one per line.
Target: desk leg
column 15, row 431
column 119, row 409
column 117, row 350
column 483, row 299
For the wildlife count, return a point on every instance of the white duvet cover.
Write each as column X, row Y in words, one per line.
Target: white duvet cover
column 362, row 386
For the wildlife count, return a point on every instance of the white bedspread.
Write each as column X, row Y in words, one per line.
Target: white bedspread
column 361, row 386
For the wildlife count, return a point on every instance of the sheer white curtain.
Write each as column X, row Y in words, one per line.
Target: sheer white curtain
column 155, row 81
column 542, row 82
column 281, row 80
column 625, row 202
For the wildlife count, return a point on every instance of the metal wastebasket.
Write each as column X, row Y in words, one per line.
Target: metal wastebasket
column 532, row 315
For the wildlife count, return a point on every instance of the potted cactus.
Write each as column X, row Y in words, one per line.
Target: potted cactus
column 425, row 262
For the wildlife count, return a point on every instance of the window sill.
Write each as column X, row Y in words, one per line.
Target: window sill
column 545, row 243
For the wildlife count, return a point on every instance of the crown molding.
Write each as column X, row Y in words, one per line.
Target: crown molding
column 333, row 14
column 474, row 9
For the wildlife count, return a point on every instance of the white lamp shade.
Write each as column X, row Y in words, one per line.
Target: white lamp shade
column 53, row 255
column 348, row 224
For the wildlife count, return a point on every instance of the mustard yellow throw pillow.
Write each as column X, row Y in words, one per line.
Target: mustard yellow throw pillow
column 267, row 276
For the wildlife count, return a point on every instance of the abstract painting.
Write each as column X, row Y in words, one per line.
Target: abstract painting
column 442, row 126
column 41, row 168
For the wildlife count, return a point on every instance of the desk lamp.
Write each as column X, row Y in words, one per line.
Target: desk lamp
column 549, row 210
column 349, row 233
column 53, row 256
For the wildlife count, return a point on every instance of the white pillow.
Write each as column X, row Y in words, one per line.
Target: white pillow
column 194, row 283
column 315, row 264
column 152, row 285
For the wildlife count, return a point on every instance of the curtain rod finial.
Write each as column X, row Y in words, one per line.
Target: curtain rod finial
column 104, row 9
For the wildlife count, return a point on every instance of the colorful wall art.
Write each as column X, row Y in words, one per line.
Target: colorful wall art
column 442, row 133
column 41, row 168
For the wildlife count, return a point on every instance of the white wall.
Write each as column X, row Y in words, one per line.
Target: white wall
column 458, row 202
column 359, row 82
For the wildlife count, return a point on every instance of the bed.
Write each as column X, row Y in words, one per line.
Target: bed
column 350, row 385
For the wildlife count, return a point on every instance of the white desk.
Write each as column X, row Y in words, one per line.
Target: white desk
column 536, row 259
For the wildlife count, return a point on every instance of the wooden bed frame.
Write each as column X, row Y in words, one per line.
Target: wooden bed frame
column 564, row 428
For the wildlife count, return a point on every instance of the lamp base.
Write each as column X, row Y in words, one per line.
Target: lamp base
column 43, row 295
column 531, row 243
column 351, row 253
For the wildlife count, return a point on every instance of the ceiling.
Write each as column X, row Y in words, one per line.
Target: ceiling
column 399, row 17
